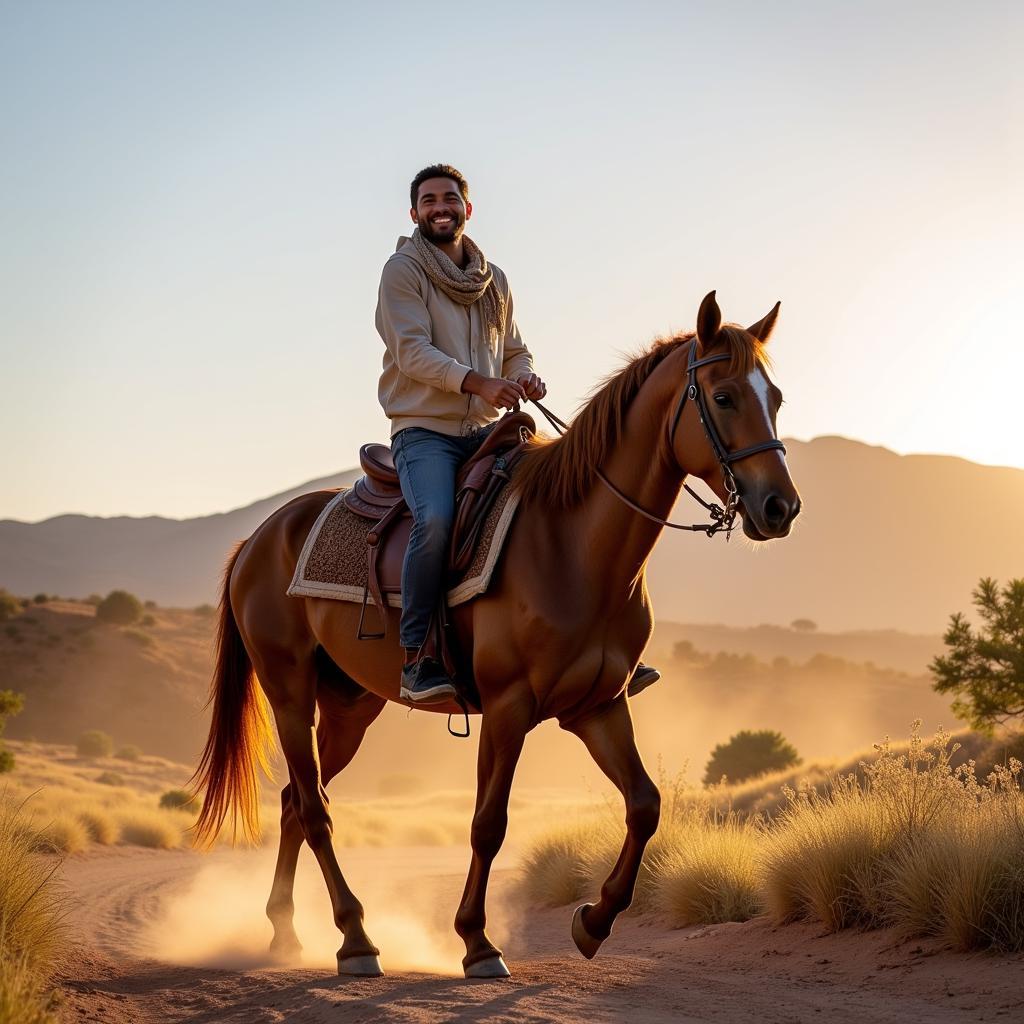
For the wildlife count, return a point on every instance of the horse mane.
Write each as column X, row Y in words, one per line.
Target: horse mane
column 561, row 471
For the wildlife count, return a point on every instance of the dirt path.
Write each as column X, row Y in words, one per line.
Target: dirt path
column 168, row 937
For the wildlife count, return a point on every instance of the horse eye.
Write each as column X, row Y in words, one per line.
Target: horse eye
column 722, row 400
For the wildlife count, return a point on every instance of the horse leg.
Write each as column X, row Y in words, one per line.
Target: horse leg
column 501, row 742
column 339, row 734
column 285, row 944
column 608, row 735
column 292, row 693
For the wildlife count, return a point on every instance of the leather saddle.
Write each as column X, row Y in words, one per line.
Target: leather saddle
column 377, row 496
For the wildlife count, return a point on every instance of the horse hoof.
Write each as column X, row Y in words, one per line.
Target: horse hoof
column 285, row 951
column 360, row 966
column 585, row 942
column 492, row 967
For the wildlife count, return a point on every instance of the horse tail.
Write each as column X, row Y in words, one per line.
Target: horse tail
column 240, row 735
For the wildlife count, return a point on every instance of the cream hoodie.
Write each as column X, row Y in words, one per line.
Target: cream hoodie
column 432, row 342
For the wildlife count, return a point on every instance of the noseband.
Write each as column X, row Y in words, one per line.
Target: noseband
column 721, row 518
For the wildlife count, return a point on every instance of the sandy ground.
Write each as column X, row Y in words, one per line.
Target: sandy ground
column 175, row 936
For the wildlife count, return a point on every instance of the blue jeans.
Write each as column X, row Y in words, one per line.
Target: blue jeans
column 427, row 463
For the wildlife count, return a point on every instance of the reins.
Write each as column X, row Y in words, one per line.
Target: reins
column 721, row 518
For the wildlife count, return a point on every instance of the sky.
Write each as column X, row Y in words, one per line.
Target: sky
column 196, row 201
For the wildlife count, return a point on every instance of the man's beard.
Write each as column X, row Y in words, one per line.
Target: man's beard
column 442, row 236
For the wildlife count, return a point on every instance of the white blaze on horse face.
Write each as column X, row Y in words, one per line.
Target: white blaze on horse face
column 758, row 381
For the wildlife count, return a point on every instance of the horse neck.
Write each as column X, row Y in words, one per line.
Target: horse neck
column 617, row 539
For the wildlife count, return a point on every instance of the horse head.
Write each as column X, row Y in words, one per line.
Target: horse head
column 727, row 436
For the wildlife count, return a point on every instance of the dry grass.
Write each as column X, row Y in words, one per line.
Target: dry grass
column 63, row 834
column 912, row 840
column 154, row 829
column 708, row 872
column 32, row 907
column 100, row 823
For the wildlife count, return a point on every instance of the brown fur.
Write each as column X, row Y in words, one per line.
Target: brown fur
column 556, row 636
column 561, row 471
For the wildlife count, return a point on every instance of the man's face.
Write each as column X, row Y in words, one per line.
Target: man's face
column 440, row 211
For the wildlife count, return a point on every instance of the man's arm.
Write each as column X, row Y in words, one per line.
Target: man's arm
column 517, row 360
column 404, row 324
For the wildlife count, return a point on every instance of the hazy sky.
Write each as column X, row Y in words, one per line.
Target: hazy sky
column 196, row 200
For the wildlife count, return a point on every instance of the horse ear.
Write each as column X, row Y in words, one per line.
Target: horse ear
column 709, row 320
column 763, row 328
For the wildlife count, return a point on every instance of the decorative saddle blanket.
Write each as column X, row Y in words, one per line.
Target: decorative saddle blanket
column 333, row 562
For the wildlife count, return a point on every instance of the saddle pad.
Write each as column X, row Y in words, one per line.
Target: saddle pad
column 333, row 562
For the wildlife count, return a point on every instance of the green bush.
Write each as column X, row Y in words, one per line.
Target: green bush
column 40, row 599
column 110, row 778
column 179, row 800
column 129, row 753
column 119, row 608
column 94, row 743
column 749, row 754
column 6, row 760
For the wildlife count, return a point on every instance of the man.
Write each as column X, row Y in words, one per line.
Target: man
column 453, row 359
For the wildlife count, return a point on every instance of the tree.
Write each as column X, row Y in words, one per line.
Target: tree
column 11, row 703
column 984, row 667
column 803, row 625
column 120, row 608
column 749, row 754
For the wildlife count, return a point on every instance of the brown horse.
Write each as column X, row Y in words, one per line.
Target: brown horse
column 557, row 635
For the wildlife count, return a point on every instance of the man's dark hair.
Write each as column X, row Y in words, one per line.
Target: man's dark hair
column 438, row 171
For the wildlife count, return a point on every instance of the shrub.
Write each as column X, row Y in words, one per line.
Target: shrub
column 94, row 599
column 149, row 604
column 749, row 754
column 9, row 606
column 179, row 800
column 138, row 637
column 152, row 829
column 708, row 874
column 205, row 610
column 110, row 778
column 6, row 760
column 119, row 608
column 62, row 834
column 32, row 906
column 803, row 625
column 554, row 867
column 129, row 753
column 40, row 599
column 146, row 621
column 99, row 823
column 94, row 743
column 11, row 703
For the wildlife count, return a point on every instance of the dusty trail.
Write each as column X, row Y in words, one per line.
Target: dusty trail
column 172, row 936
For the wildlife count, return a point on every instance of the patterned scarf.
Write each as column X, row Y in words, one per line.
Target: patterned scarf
column 464, row 286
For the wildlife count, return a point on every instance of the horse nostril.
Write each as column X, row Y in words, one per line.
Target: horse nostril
column 776, row 510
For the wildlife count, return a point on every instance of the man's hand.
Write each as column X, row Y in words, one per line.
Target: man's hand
column 532, row 385
column 496, row 391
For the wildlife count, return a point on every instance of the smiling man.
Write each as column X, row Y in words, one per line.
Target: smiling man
column 453, row 359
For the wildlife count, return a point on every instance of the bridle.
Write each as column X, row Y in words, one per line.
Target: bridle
column 721, row 518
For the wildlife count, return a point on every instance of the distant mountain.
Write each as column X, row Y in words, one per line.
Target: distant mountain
column 885, row 541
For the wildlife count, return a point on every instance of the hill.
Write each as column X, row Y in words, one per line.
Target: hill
column 885, row 541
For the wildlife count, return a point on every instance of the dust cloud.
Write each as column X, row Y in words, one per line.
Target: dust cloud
column 410, row 896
